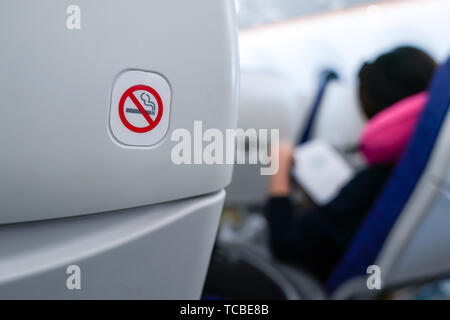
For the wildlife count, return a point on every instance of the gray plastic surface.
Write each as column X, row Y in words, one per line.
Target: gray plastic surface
column 427, row 253
column 58, row 157
column 154, row 252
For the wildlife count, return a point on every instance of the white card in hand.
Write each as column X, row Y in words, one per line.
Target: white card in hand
column 321, row 170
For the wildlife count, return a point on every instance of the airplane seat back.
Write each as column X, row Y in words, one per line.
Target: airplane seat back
column 399, row 223
column 265, row 102
column 73, row 140
column 88, row 182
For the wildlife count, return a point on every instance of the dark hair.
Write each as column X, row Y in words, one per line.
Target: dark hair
column 392, row 77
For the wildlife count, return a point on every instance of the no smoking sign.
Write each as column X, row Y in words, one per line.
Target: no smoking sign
column 140, row 108
column 141, row 103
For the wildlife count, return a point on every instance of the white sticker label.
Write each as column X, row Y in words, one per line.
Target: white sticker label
column 140, row 108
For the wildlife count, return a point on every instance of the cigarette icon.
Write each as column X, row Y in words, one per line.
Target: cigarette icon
column 136, row 111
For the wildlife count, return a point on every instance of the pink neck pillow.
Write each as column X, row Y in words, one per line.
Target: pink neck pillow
column 387, row 134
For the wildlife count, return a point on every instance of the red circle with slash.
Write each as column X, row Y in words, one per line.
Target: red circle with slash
column 130, row 94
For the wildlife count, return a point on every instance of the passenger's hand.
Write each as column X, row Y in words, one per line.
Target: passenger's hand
column 280, row 183
column 286, row 155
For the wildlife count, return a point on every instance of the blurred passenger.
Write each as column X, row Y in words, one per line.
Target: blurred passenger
column 317, row 237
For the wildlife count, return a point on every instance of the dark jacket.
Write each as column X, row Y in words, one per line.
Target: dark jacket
column 317, row 237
